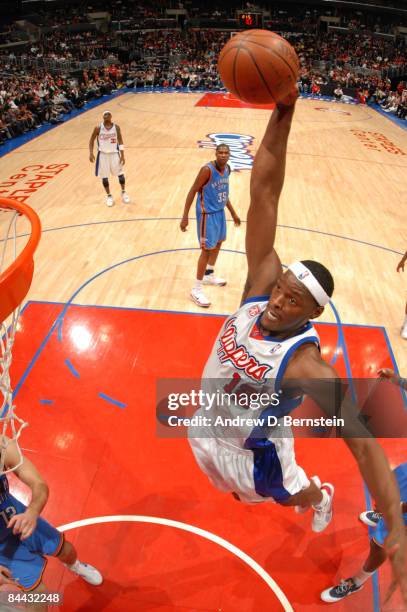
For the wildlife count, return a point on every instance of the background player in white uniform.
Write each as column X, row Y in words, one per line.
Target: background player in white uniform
column 110, row 157
column 276, row 311
column 212, row 187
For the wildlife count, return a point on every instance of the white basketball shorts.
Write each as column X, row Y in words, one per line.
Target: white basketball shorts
column 108, row 164
column 267, row 474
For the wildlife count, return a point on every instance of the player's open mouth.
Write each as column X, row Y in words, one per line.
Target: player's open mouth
column 272, row 316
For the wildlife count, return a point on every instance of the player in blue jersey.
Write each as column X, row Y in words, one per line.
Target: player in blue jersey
column 212, row 187
column 26, row 538
column 269, row 344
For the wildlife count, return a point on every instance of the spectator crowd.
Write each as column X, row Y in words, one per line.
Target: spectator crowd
column 32, row 93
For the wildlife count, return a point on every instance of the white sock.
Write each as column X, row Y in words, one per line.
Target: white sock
column 198, row 284
column 324, row 502
column 361, row 577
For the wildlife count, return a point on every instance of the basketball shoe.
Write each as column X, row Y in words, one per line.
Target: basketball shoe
column 342, row 590
column 89, row 573
column 371, row 517
column 125, row 198
column 109, row 200
column 211, row 279
column 200, row 299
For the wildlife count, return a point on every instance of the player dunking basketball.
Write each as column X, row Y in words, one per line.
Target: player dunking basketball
column 110, row 157
column 269, row 343
column 212, row 187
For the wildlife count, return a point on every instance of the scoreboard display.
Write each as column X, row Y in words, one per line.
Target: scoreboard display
column 248, row 19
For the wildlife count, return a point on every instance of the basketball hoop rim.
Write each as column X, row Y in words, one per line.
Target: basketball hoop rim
column 16, row 279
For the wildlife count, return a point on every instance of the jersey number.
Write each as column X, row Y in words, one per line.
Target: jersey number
column 222, row 197
column 7, row 514
column 239, row 390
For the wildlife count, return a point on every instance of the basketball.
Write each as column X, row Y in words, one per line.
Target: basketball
column 258, row 66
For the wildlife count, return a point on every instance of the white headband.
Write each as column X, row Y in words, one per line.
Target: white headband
column 306, row 277
column 107, row 113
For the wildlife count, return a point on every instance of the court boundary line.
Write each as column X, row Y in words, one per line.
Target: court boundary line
column 207, row 535
column 282, row 226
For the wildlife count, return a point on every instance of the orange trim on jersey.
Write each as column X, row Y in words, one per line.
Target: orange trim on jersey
column 37, row 582
column 59, row 547
column 202, row 230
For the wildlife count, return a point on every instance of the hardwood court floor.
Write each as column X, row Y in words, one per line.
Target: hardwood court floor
column 343, row 203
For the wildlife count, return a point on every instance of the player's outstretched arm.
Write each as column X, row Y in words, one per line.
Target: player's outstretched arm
column 266, row 183
column 202, row 178
column 314, row 377
column 25, row 523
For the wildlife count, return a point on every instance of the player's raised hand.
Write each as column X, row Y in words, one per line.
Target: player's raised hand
column 91, row 157
column 184, row 224
column 5, row 576
column 23, row 524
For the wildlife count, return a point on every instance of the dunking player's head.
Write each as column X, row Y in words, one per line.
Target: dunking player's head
column 299, row 294
column 222, row 155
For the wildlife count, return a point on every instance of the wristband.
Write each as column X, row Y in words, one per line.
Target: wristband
column 121, row 147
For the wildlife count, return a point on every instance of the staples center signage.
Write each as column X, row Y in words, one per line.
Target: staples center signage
column 240, row 156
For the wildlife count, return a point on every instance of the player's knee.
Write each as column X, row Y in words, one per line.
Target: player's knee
column 105, row 182
column 67, row 554
column 122, row 179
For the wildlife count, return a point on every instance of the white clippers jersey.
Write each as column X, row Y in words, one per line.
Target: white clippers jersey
column 246, row 362
column 107, row 139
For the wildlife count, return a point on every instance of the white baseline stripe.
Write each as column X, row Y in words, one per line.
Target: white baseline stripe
column 131, row 518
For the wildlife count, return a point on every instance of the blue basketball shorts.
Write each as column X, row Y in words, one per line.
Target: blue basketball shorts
column 380, row 532
column 211, row 228
column 24, row 558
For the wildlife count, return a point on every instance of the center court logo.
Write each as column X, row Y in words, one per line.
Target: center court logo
column 240, row 155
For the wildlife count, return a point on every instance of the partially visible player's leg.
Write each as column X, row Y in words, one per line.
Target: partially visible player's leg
column 102, row 171
column 69, row 557
column 376, row 558
column 210, row 278
column 207, row 244
column 125, row 196
column 197, row 293
column 218, row 222
column 286, row 482
column 116, row 169
column 109, row 199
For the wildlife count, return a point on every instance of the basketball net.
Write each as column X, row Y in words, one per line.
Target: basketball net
column 16, row 268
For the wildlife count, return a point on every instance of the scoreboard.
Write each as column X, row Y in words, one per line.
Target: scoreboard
column 249, row 19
